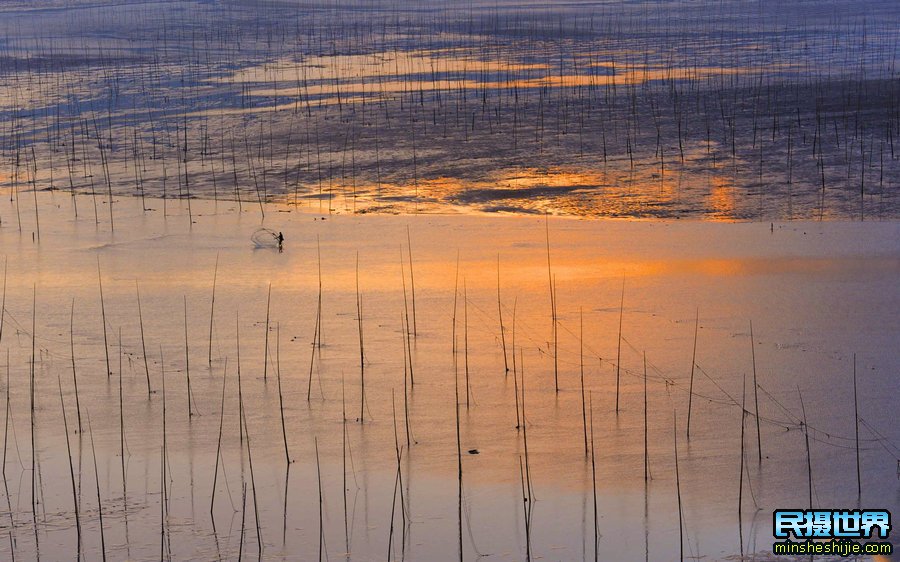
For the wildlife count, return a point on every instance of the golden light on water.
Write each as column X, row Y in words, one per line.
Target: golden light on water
column 646, row 190
column 351, row 78
column 374, row 65
column 349, row 89
column 550, row 177
column 721, row 198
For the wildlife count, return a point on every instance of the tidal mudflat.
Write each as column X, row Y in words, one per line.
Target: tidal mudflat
column 715, row 110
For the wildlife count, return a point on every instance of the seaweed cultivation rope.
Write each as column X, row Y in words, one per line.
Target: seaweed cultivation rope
column 886, row 443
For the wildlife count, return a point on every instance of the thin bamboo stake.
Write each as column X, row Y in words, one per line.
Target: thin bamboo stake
column 212, row 308
column 755, row 394
column 103, row 316
column 581, row 372
column 243, row 518
column 412, row 283
column 162, row 503
column 72, row 352
column 594, row 482
column 237, row 330
column 143, row 344
column 619, row 347
column 515, row 305
column 525, row 428
column 3, row 304
column 287, row 456
column 317, row 332
column 6, row 417
column 319, row 298
column 312, row 355
column 362, row 360
column 458, row 466
column 62, row 405
column 99, row 501
column 554, row 332
column 856, row 425
column 399, row 452
column 34, row 472
column 466, row 340
column 741, row 478
column 266, row 349
column 344, row 465
column 678, row 491
column 646, row 447
column 500, row 315
column 404, row 325
column 405, row 392
column 808, row 458
column 165, row 440
column 321, row 504
column 252, row 481
column 693, row 363
column 212, row 499
column 122, row 428
column 187, row 361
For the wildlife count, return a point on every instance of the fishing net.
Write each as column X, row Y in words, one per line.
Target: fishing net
column 265, row 238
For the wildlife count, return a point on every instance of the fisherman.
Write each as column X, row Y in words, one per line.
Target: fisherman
column 280, row 241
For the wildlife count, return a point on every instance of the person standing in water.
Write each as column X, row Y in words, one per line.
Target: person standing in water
column 280, row 242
